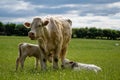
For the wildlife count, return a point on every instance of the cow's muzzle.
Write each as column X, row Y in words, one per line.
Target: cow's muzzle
column 31, row 35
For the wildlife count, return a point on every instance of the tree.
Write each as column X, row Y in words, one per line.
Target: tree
column 118, row 35
column 83, row 32
column 114, row 34
column 77, row 33
column 92, row 32
column 20, row 30
column 2, row 29
column 107, row 33
column 9, row 29
column 74, row 31
column 99, row 33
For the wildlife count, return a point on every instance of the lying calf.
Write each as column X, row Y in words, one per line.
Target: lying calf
column 27, row 49
column 80, row 66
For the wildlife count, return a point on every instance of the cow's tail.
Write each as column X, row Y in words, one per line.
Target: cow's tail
column 68, row 20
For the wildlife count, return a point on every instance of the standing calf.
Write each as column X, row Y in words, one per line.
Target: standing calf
column 27, row 49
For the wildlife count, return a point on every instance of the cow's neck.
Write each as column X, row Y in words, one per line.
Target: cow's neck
column 44, row 34
column 44, row 39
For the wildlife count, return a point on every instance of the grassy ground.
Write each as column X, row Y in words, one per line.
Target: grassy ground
column 103, row 53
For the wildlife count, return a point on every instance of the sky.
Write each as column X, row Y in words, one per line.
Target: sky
column 83, row 13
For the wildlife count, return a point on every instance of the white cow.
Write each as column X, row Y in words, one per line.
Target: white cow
column 53, row 35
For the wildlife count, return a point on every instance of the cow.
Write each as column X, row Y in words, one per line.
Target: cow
column 80, row 66
column 53, row 35
column 31, row 50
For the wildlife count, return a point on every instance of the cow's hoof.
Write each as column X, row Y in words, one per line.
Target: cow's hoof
column 62, row 66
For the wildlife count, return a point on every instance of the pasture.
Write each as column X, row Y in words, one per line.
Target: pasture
column 103, row 53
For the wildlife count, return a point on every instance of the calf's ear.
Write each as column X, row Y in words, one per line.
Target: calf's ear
column 45, row 23
column 27, row 24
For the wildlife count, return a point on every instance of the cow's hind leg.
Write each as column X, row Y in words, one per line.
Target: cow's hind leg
column 62, row 56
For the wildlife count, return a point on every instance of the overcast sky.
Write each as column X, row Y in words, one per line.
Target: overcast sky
column 90, row 13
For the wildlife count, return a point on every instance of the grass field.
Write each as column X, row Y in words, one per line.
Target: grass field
column 103, row 53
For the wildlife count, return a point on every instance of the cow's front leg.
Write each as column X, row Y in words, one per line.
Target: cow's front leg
column 55, row 61
column 62, row 56
column 43, row 52
column 43, row 61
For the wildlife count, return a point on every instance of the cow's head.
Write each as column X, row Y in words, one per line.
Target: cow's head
column 36, row 27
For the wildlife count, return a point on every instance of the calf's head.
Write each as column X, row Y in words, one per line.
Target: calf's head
column 36, row 27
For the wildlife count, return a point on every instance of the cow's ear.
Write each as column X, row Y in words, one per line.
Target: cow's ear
column 27, row 24
column 45, row 23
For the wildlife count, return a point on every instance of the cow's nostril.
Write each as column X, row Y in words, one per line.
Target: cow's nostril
column 32, row 33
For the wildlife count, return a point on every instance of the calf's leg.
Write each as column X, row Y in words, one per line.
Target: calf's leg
column 36, row 65
column 22, row 59
column 17, row 63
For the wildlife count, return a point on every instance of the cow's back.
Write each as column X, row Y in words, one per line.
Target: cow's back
column 63, row 30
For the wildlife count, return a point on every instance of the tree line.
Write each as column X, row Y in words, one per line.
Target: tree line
column 96, row 33
column 12, row 29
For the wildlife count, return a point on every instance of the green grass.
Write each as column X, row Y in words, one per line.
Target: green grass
column 103, row 53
